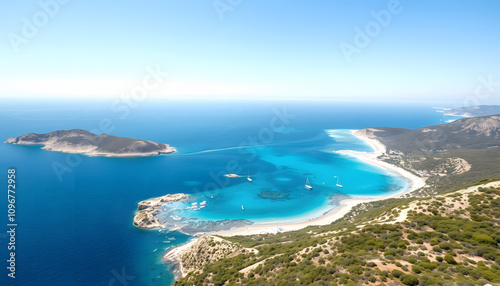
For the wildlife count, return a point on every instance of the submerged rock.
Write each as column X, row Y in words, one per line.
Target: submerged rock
column 207, row 226
column 275, row 195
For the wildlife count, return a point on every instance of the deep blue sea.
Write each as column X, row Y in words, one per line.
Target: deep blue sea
column 74, row 213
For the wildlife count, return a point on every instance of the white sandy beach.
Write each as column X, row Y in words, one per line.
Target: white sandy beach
column 345, row 205
column 336, row 213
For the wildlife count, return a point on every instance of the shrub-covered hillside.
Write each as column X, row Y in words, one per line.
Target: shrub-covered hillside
column 451, row 239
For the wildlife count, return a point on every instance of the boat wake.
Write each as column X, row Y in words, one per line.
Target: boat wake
column 222, row 149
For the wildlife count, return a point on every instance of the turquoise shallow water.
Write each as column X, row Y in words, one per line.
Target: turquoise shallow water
column 76, row 229
column 277, row 191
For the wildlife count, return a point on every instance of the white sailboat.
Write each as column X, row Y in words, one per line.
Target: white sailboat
column 307, row 185
column 242, row 207
column 339, row 185
column 248, row 177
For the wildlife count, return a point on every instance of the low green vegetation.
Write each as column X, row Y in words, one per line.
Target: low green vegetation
column 484, row 164
column 448, row 240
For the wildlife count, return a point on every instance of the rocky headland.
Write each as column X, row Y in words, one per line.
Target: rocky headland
column 145, row 217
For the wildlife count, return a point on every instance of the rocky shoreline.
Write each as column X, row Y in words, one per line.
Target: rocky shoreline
column 146, row 218
column 155, row 213
column 193, row 255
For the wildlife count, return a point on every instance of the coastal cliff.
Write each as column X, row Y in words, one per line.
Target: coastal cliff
column 146, row 218
column 82, row 141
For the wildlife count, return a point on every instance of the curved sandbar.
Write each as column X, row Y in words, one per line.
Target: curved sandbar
column 146, row 218
column 83, row 142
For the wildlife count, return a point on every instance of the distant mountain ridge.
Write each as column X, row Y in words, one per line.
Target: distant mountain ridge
column 83, row 141
column 467, row 133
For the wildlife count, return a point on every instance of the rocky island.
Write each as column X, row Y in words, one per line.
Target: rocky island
column 85, row 142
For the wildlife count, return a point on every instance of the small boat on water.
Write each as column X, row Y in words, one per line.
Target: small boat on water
column 307, row 185
column 242, row 207
column 338, row 184
column 248, row 177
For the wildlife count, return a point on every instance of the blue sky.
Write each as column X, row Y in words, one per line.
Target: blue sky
column 437, row 51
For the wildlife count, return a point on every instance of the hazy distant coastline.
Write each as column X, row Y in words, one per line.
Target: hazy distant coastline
column 473, row 111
